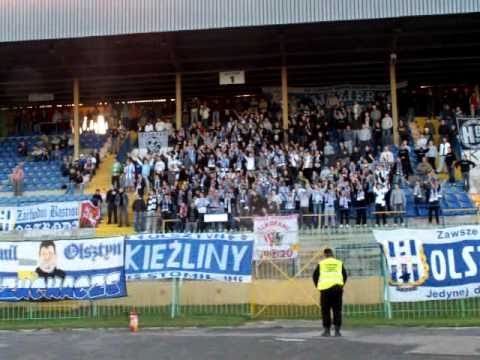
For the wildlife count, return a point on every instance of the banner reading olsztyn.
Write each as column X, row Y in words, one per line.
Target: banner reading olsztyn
column 62, row 269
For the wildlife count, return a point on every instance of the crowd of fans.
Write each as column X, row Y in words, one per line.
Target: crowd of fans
column 333, row 166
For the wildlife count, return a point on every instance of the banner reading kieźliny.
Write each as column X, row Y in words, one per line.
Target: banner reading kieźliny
column 276, row 237
column 437, row 264
column 62, row 270
column 208, row 256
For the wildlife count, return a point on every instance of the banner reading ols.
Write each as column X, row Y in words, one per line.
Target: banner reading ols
column 438, row 264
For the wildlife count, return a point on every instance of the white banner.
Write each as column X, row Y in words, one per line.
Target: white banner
column 62, row 269
column 48, row 216
column 469, row 132
column 276, row 237
column 437, row 264
column 345, row 93
column 154, row 142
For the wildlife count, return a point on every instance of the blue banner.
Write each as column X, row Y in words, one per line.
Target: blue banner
column 438, row 264
column 62, row 270
column 223, row 257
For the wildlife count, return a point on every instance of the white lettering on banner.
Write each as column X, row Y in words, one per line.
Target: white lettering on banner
column 467, row 256
column 186, row 264
column 130, row 251
column 172, row 261
column 156, row 263
column 201, row 256
column 212, row 253
column 451, row 265
column 181, row 256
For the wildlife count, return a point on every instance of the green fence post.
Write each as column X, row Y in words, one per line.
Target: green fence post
column 93, row 309
column 30, row 312
column 178, row 297
column 387, row 307
column 173, row 305
column 462, row 308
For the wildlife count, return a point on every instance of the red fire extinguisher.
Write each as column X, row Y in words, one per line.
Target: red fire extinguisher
column 133, row 321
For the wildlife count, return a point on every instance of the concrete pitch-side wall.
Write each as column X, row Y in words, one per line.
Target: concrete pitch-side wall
column 22, row 20
column 359, row 290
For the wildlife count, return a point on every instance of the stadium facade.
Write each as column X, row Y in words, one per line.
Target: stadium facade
column 23, row 20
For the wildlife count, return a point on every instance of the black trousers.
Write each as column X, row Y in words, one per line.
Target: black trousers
column 361, row 216
column 112, row 210
column 434, row 207
column 331, row 301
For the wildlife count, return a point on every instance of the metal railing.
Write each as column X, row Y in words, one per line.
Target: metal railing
column 279, row 289
column 322, row 223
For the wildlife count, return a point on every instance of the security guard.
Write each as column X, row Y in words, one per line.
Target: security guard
column 329, row 277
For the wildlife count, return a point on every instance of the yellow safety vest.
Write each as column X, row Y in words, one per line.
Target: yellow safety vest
column 330, row 273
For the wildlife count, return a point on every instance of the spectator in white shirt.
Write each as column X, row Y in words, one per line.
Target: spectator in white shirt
column 380, row 191
column 443, row 150
column 148, row 127
column 386, row 157
column 159, row 125
column 387, row 127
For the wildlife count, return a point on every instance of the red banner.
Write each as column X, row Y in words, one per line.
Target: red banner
column 89, row 214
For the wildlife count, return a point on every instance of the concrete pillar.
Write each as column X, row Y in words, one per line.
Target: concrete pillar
column 393, row 92
column 76, row 119
column 284, row 98
column 178, row 100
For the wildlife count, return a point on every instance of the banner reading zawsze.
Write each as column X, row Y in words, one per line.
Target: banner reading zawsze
column 276, row 237
column 221, row 257
column 62, row 269
column 432, row 264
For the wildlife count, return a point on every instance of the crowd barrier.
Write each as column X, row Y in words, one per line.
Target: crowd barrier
column 318, row 223
column 279, row 288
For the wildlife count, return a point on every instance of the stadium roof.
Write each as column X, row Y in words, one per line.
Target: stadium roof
column 431, row 50
column 22, row 20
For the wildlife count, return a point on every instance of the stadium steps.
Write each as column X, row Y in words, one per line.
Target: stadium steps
column 476, row 199
column 102, row 180
column 113, row 230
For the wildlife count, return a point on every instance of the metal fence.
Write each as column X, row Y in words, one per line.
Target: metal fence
column 279, row 289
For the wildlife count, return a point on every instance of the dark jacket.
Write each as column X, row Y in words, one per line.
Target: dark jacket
column 110, row 198
column 139, row 205
column 316, row 275
column 465, row 165
column 121, row 199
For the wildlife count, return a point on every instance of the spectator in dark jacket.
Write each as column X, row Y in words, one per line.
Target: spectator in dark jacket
column 121, row 201
column 450, row 161
column 465, row 165
column 111, row 205
column 139, row 208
